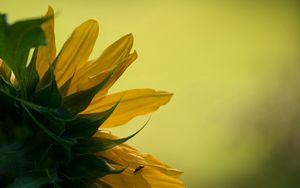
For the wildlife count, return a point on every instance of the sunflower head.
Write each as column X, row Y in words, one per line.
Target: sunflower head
column 42, row 133
column 52, row 106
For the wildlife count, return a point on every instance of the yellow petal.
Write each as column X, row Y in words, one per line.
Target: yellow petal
column 112, row 57
column 154, row 173
column 76, row 50
column 132, row 103
column 46, row 54
column 89, row 82
column 114, row 53
column 118, row 71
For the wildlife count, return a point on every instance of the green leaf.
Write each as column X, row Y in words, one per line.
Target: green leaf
column 85, row 126
column 54, row 125
column 88, row 167
column 98, row 144
column 59, row 114
column 55, row 137
column 65, row 87
column 15, row 43
column 79, row 101
column 47, row 93
column 32, row 77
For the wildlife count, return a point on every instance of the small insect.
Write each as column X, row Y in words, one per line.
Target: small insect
column 140, row 167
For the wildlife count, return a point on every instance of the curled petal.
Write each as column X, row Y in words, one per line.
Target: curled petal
column 151, row 174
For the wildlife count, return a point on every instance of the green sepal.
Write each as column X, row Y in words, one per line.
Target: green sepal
column 57, row 138
column 80, row 100
column 85, row 126
column 63, row 144
column 98, row 144
column 59, row 114
column 88, row 167
column 47, row 93
column 15, row 43
column 54, row 125
column 65, row 87
column 31, row 77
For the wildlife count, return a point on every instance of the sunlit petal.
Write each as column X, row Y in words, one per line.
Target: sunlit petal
column 154, row 173
column 118, row 71
column 46, row 54
column 116, row 55
column 76, row 50
column 132, row 103
column 68, row 126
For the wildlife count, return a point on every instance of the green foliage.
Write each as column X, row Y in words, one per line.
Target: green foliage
column 31, row 77
column 48, row 89
column 42, row 134
column 98, row 144
column 85, row 126
column 77, row 102
column 15, row 43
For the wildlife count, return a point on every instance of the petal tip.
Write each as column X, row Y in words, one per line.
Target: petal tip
column 50, row 8
column 93, row 23
column 129, row 37
column 166, row 93
column 50, row 11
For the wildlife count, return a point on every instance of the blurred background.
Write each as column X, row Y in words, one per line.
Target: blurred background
column 233, row 67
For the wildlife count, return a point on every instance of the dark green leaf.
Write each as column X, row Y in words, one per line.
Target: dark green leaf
column 55, row 137
column 47, row 93
column 79, row 101
column 59, row 114
column 15, row 43
column 98, row 144
column 32, row 77
column 54, row 125
column 88, row 166
column 65, row 87
column 85, row 126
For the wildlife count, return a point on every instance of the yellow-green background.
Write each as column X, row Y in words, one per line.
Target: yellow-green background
column 232, row 65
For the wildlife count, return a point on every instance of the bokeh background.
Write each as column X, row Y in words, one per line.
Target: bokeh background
column 233, row 66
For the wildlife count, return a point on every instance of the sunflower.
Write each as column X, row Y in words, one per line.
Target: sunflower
column 53, row 108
